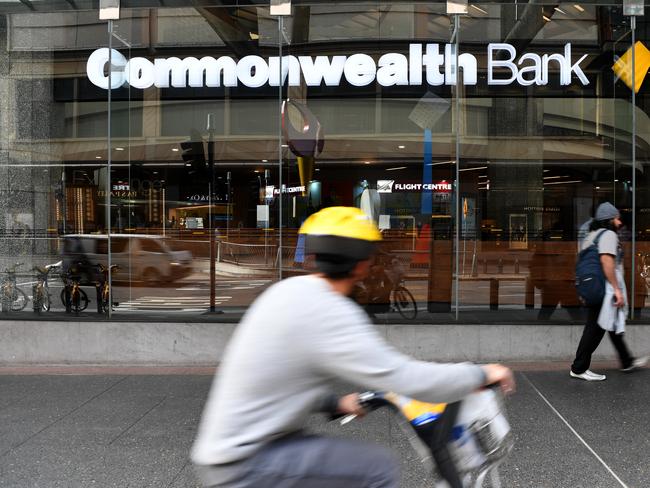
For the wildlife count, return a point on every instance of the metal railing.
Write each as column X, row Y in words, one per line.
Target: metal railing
column 261, row 256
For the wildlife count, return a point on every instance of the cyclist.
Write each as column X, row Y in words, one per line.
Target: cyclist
column 296, row 338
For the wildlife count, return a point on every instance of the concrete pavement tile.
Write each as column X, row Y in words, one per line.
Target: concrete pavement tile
column 612, row 417
column 42, row 403
column 110, row 440
column 138, row 433
column 546, row 453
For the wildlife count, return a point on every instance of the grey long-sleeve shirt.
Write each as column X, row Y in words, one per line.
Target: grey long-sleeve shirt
column 294, row 340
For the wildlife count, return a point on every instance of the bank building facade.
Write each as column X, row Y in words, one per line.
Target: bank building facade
column 185, row 142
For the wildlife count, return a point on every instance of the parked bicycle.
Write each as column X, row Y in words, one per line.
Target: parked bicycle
column 403, row 302
column 13, row 298
column 384, row 289
column 104, row 288
column 41, row 297
column 74, row 299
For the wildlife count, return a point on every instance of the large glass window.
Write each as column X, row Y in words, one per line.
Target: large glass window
column 480, row 143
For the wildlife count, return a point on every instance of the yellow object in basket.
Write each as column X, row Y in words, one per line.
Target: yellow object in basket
column 415, row 411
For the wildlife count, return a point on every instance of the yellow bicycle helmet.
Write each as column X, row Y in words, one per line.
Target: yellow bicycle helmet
column 339, row 237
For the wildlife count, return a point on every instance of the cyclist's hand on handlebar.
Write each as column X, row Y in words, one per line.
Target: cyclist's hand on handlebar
column 497, row 374
column 349, row 405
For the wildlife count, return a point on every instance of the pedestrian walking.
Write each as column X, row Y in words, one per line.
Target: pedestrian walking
column 608, row 316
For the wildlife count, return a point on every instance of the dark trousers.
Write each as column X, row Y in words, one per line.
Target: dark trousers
column 309, row 462
column 591, row 337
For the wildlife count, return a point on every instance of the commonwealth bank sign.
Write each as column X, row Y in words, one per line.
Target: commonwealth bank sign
column 433, row 64
column 623, row 66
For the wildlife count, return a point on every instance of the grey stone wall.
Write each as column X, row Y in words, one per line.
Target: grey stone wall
column 28, row 164
column 199, row 344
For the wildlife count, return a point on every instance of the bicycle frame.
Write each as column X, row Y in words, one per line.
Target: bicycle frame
column 73, row 297
column 41, row 290
column 104, row 288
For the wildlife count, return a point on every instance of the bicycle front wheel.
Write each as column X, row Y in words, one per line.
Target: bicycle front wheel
column 405, row 303
column 104, row 302
column 79, row 301
column 41, row 300
column 45, row 302
column 19, row 300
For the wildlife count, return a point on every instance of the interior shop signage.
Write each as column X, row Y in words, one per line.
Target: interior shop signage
column 390, row 186
column 271, row 190
column 504, row 67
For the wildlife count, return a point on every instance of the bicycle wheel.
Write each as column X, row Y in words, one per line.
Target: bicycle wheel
column 19, row 301
column 405, row 303
column 5, row 301
column 79, row 301
column 104, row 301
column 45, row 302
column 41, row 299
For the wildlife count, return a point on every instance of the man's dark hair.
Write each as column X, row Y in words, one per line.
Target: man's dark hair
column 335, row 267
column 602, row 224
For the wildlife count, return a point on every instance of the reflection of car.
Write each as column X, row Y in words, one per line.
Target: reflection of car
column 140, row 257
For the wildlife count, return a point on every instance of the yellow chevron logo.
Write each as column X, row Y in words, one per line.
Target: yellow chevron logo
column 623, row 66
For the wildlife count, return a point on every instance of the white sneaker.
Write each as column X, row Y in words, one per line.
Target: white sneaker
column 636, row 364
column 588, row 376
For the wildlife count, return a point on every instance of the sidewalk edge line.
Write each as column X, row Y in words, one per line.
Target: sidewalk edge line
column 575, row 432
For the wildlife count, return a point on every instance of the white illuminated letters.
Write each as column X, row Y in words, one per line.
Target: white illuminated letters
column 290, row 67
column 140, row 73
column 191, row 72
column 96, row 65
column 393, row 70
column 492, row 63
column 360, row 70
column 315, row 71
column 253, row 71
column 533, row 64
column 440, row 66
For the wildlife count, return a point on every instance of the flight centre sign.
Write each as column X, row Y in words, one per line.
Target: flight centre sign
column 433, row 64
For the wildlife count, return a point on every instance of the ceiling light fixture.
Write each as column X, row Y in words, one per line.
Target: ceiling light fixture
column 547, row 19
column 401, row 147
column 175, row 149
column 395, row 169
column 442, row 162
column 578, row 8
column 562, row 182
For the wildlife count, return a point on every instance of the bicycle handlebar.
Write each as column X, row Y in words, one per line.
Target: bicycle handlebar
column 105, row 268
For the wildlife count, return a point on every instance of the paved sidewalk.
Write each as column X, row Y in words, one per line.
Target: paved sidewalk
column 129, row 430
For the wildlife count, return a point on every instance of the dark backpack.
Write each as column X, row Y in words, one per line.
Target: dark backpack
column 590, row 279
